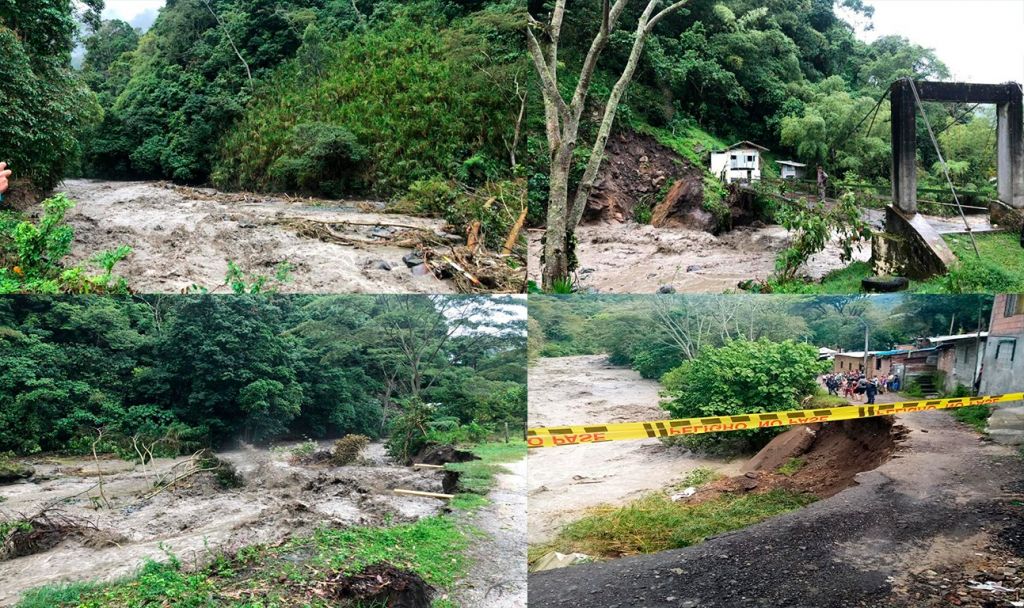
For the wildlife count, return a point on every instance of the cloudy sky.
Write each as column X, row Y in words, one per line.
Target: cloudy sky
column 979, row 40
column 139, row 13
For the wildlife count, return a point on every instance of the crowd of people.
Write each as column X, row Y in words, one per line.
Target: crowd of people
column 856, row 386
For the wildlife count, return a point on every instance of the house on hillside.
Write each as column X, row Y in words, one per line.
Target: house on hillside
column 879, row 362
column 740, row 162
column 1003, row 367
column 789, row 169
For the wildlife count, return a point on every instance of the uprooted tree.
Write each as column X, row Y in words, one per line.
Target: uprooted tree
column 562, row 118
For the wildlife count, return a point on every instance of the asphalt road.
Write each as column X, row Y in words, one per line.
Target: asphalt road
column 935, row 503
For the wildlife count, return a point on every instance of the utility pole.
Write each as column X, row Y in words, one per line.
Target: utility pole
column 866, row 333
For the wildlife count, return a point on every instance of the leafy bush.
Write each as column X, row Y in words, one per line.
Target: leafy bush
column 742, row 377
column 813, row 225
column 319, row 157
column 31, row 255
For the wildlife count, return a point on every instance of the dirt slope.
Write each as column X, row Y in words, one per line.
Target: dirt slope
column 940, row 504
column 564, row 482
column 184, row 236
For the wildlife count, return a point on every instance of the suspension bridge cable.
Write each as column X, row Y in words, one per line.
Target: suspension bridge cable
column 942, row 161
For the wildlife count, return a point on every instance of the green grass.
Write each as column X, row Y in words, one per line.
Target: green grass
column 477, row 477
column 791, row 466
column 1000, row 270
column 278, row 576
column 656, row 523
column 975, row 416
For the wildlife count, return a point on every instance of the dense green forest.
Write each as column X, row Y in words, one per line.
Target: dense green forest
column 325, row 97
column 790, row 75
column 193, row 371
column 655, row 335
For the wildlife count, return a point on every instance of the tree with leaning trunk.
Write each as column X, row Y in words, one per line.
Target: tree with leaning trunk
column 562, row 119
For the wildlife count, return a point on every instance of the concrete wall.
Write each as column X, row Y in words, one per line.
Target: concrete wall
column 1004, row 368
column 958, row 363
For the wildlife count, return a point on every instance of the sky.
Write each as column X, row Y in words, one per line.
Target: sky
column 979, row 40
column 139, row 13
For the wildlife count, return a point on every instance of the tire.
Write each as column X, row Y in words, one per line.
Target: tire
column 884, row 284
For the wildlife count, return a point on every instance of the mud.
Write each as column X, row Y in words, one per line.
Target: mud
column 385, row 585
column 497, row 576
column 443, row 454
column 198, row 517
column 564, row 482
column 635, row 172
column 830, row 456
column 185, row 236
column 636, row 258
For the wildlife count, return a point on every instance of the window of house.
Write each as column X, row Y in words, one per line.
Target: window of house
column 732, row 157
column 878, row 364
column 750, row 158
column 1007, row 347
column 1014, row 305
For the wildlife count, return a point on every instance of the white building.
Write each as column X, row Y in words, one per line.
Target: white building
column 740, row 162
column 791, row 170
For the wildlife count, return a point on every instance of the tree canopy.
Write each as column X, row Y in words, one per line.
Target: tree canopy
column 193, row 371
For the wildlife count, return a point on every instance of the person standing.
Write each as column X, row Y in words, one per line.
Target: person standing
column 870, row 390
column 822, row 183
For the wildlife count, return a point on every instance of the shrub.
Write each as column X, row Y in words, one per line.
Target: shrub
column 31, row 254
column 348, row 448
column 319, row 157
column 742, row 377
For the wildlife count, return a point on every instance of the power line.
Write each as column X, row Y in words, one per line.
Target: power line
column 945, row 169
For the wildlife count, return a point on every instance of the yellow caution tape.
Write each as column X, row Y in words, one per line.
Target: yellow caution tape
column 546, row 437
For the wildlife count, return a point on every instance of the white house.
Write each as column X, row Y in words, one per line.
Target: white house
column 740, row 162
column 791, row 170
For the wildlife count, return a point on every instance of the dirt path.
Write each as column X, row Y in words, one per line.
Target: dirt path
column 636, row 258
column 198, row 518
column 497, row 578
column 185, row 236
column 939, row 505
column 564, row 482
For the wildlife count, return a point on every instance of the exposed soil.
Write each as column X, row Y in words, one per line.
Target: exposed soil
column 637, row 258
column 944, row 510
column 497, row 576
column 565, row 481
column 443, row 454
column 185, row 236
column 830, row 456
column 278, row 499
column 385, row 585
column 635, row 170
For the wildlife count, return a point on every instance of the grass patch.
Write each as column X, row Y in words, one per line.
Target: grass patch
column 974, row 415
column 791, row 466
column 1000, row 270
column 477, row 476
column 656, row 523
column 277, row 576
column 699, row 477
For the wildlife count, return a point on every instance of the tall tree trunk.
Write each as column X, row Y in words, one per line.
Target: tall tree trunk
column 610, row 109
column 556, row 245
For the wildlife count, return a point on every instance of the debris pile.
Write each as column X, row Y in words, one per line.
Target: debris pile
column 384, row 585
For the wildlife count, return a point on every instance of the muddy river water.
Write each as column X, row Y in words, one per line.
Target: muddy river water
column 185, row 236
column 278, row 499
column 563, row 482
